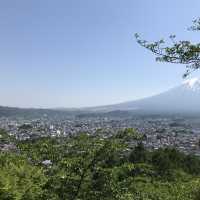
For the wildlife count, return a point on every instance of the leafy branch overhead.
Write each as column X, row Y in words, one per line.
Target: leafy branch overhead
column 178, row 51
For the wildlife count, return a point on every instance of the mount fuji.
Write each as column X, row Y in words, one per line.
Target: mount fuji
column 181, row 99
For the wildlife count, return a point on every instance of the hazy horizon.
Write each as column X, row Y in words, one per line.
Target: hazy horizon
column 188, row 81
column 76, row 54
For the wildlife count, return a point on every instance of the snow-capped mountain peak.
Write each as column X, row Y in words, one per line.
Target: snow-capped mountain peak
column 193, row 84
column 184, row 98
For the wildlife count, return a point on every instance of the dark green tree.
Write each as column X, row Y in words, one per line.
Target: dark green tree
column 139, row 154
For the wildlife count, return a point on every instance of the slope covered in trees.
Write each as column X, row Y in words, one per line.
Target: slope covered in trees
column 87, row 167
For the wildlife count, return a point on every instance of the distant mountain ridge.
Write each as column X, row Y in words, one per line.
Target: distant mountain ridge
column 183, row 98
column 35, row 112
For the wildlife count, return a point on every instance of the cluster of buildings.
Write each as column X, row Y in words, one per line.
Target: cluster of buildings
column 182, row 133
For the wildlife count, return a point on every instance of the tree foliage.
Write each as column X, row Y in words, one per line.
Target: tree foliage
column 92, row 168
column 176, row 51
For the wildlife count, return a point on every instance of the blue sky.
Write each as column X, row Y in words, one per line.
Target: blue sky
column 74, row 53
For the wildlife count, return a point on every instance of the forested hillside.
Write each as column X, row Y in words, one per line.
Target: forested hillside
column 92, row 168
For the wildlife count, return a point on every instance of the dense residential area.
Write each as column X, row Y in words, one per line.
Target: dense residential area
column 124, row 164
column 152, row 157
column 156, row 131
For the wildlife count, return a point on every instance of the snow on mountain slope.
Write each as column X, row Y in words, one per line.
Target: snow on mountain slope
column 193, row 84
column 184, row 98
